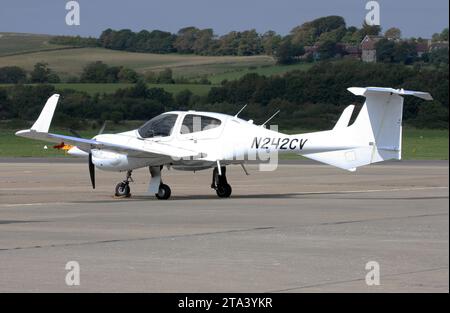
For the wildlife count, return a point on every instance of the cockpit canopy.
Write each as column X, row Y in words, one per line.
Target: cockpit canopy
column 163, row 125
column 159, row 126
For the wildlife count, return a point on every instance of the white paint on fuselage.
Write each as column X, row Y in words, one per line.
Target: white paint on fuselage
column 234, row 141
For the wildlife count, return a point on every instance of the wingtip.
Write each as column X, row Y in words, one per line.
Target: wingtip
column 21, row 132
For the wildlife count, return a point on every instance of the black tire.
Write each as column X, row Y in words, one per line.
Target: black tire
column 164, row 192
column 122, row 190
column 224, row 191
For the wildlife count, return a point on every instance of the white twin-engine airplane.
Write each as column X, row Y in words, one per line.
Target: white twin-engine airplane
column 193, row 141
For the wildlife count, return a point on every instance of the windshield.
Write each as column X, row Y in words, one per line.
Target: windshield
column 159, row 126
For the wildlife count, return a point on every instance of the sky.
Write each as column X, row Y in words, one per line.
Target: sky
column 416, row 18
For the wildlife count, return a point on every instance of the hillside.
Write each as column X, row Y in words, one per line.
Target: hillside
column 24, row 50
column 18, row 43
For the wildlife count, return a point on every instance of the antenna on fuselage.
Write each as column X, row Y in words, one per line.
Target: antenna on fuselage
column 240, row 111
column 262, row 125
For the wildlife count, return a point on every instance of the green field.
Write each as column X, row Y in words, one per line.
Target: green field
column 92, row 89
column 418, row 144
column 25, row 50
column 14, row 43
column 70, row 62
column 425, row 144
column 196, row 89
column 267, row 70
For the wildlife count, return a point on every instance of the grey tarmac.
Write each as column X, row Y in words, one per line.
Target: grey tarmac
column 302, row 228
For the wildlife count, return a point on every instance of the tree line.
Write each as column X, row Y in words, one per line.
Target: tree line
column 94, row 72
column 310, row 99
column 328, row 33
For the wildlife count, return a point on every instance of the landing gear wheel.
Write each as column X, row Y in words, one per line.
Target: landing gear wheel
column 224, row 191
column 123, row 189
column 163, row 192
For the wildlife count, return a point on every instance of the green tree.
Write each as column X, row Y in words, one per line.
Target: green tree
column 308, row 33
column 151, row 77
column 203, row 41
column 327, row 49
column 165, row 77
column 285, row 53
column 443, row 36
column 249, row 43
column 183, row 98
column 405, row 52
column 288, row 52
column 385, row 50
column 127, row 75
column 393, row 33
column 139, row 90
column 370, row 30
column 43, row 74
column 439, row 57
column 270, row 42
column 95, row 72
column 116, row 116
column 12, row 75
column 186, row 38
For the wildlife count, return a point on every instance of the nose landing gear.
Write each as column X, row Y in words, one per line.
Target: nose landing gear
column 123, row 188
column 220, row 183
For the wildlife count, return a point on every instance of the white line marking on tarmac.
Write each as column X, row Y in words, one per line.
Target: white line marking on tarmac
column 12, row 205
column 299, row 193
column 371, row 190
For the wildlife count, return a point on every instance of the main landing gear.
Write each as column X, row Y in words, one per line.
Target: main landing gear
column 164, row 192
column 156, row 186
column 220, row 184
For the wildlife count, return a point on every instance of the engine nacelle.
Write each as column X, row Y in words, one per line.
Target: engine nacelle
column 117, row 162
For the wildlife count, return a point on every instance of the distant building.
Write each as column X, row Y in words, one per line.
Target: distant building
column 368, row 50
column 312, row 52
column 350, row 51
column 422, row 47
column 438, row 45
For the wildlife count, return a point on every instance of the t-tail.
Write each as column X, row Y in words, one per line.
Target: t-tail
column 375, row 136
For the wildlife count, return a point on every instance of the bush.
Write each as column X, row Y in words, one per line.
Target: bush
column 12, row 75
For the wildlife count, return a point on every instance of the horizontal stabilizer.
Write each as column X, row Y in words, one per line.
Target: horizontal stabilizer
column 359, row 91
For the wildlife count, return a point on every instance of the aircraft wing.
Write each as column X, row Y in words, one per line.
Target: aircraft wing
column 146, row 149
column 135, row 148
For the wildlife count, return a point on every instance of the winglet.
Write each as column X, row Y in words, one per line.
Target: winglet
column 42, row 124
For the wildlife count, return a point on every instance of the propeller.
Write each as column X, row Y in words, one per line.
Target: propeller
column 91, row 171
column 90, row 163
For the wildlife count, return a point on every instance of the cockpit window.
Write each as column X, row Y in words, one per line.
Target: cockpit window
column 194, row 123
column 159, row 126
